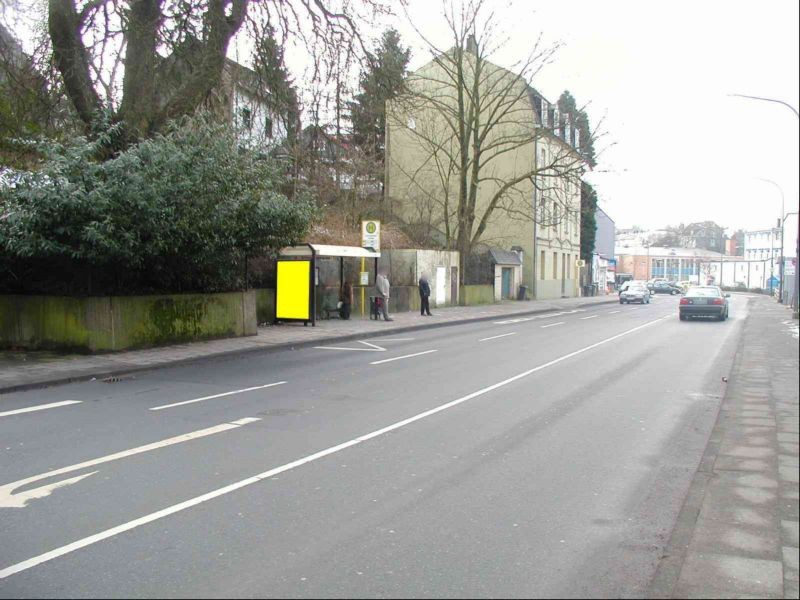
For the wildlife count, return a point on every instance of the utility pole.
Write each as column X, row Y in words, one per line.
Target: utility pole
column 796, row 279
column 781, row 222
column 534, row 286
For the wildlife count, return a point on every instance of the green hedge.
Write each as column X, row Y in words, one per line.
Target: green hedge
column 180, row 212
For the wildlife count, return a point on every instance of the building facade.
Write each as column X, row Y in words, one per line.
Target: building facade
column 762, row 244
column 248, row 106
column 706, row 235
column 539, row 214
column 734, row 272
column 603, row 264
column 605, row 237
column 674, row 264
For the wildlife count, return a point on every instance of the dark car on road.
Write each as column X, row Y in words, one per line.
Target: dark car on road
column 664, row 287
column 704, row 301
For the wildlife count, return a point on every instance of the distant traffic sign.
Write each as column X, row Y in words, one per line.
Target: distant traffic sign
column 371, row 234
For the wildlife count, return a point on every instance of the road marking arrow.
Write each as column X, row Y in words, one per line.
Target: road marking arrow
column 9, row 499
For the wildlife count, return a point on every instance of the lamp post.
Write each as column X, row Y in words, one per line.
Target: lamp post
column 796, row 302
column 780, row 224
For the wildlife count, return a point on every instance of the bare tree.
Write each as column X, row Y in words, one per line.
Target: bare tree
column 478, row 136
column 148, row 61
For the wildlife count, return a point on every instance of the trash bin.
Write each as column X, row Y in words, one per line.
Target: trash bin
column 522, row 294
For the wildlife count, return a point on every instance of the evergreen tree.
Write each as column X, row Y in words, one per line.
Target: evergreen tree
column 379, row 82
column 567, row 104
column 276, row 83
column 588, row 220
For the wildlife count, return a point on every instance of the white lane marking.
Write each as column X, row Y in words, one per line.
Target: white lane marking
column 547, row 316
column 613, row 312
column 351, row 349
column 250, row 389
column 108, row 533
column 592, row 317
column 8, row 499
column 374, row 346
column 552, row 324
column 386, row 360
column 494, row 337
column 19, row 411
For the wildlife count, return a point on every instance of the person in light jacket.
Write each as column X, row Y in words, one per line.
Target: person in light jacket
column 382, row 283
column 424, row 295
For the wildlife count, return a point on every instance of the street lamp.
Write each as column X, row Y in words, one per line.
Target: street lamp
column 796, row 302
column 787, row 105
column 781, row 223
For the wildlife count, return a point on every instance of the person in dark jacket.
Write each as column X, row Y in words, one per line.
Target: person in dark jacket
column 346, row 297
column 424, row 295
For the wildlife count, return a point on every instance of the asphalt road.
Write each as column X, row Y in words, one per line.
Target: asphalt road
column 541, row 456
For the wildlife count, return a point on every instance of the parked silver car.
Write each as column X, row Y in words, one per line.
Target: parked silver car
column 636, row 292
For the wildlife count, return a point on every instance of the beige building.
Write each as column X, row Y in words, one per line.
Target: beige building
column 529, row 167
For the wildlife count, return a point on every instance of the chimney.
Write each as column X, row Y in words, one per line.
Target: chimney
column 472, row 45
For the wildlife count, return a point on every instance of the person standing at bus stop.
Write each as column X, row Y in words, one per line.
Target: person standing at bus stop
column 382, row 283
column 424, row 295
column 346, row 298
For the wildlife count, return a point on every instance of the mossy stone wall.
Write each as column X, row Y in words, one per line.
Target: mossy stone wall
column 101, row 324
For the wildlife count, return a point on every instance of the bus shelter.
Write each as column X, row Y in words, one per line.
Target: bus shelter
column 297, row 276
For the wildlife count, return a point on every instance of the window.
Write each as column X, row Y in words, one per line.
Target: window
column 412, row 124
column 555, row 265
column 247, row 118
column 268, row 127
column 541, row 265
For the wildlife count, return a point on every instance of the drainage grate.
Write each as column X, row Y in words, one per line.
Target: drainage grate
column 116, row 378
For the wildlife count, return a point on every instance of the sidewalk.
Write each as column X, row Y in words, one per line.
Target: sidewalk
column 737, row 533
column 24, row 370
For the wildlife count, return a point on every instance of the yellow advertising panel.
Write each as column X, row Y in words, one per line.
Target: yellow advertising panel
column 293, row 290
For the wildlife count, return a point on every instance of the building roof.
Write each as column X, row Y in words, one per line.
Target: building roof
column 666, row 252
column 504, row 257
column 598, row 209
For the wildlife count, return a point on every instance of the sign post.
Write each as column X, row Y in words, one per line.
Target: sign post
column 580, row 264
column 370, row 238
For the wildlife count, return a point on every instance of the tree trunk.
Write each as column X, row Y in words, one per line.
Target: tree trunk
column 139, row 85
column 71, row 58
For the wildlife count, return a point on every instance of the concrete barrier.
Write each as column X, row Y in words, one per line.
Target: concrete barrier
column 101, row 324
column 474, row 295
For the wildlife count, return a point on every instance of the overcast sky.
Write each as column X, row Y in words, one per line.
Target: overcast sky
column 677, row 148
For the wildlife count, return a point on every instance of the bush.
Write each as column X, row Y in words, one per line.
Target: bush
column 177, row 213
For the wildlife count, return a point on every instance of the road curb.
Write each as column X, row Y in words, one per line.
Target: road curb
column 122, row 370
column 670, row 564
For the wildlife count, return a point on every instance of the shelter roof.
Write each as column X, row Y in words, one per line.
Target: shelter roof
column 326, row 250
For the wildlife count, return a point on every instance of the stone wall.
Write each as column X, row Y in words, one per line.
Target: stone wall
column 477, row 294
column 101, row 324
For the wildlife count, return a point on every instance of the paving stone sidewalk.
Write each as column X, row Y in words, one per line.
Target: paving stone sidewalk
column 22, row 370
column 737, row 534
